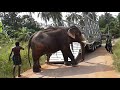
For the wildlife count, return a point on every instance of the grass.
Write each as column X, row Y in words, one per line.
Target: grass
column 116, row 56
column 6, row 66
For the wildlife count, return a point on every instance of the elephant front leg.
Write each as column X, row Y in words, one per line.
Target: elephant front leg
column 66, row 62
column 70, row 55
column 48, row 58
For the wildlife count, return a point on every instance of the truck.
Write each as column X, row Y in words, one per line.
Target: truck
column 91, row 32
column 89, row 27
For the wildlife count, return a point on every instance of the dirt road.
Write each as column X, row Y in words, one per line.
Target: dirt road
column 97, row 64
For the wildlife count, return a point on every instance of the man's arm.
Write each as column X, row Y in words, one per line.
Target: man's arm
column 22, row 48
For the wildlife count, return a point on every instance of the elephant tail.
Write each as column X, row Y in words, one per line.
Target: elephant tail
column 29, row 45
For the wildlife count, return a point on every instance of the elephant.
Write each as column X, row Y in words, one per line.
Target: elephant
column 49, row 54
column 52, row 40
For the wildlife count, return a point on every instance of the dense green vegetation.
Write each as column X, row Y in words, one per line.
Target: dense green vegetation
column 110, row 24
column 116, row 56
column 20, row 28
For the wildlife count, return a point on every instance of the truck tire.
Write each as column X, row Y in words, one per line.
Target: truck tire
column 100, row 45
column 93, row 48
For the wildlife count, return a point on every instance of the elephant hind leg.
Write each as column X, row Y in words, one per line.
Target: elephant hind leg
column 48, row 57
column 36, row 64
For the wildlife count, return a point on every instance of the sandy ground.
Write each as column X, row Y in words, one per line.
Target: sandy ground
column 97, row 64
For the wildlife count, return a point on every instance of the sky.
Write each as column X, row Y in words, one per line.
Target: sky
column 113, row 13
column 38, row 19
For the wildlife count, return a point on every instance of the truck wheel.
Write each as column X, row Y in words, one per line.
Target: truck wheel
column 100, row 45
column 93, row 48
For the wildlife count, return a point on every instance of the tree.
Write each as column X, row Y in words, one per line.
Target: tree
column 56, row 17
column 105, row 21
column 102, row 23
column 30, row 23
column 73, row 17
column 118, row 17
column 12, row 19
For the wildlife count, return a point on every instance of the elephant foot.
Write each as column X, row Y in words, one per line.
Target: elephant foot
column 37, row 69
column 39, row 66
column 48, row 63
column 82, row 60
column 74, row 64
column 67, row 63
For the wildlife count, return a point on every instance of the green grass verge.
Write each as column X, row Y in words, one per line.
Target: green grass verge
column 6, row 66
column 116, row 56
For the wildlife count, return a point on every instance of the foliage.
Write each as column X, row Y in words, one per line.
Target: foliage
column 11, row 19
column 116, row 56
column 108, row 23
column 13, row 22
column 73, row 17
column 55, row 16
column 30, row 23
column 4, row 38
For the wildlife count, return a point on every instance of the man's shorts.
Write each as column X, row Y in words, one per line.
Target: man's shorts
column 16, row 60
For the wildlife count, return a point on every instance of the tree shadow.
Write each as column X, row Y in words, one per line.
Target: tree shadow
column 90, row 55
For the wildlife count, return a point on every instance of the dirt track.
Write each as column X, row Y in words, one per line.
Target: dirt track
column 97, row 64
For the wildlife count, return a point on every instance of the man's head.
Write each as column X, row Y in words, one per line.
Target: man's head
column 17, row 43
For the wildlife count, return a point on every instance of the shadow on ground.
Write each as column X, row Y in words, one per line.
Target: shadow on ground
column 101, row 51
column 79, row 70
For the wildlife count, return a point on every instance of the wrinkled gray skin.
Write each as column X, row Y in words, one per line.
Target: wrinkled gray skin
column 52, row 40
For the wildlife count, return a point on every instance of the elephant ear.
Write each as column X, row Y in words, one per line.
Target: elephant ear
column 71, row 33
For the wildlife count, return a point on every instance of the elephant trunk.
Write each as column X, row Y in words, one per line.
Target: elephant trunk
column 83, row 51
column 83, row 42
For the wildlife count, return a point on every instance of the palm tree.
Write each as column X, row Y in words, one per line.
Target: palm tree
column 94, row 16
column 55, row 16
column 108, row 18
column 74, row 17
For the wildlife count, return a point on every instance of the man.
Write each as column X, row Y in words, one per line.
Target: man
column 108, row 45
column 16, row 58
